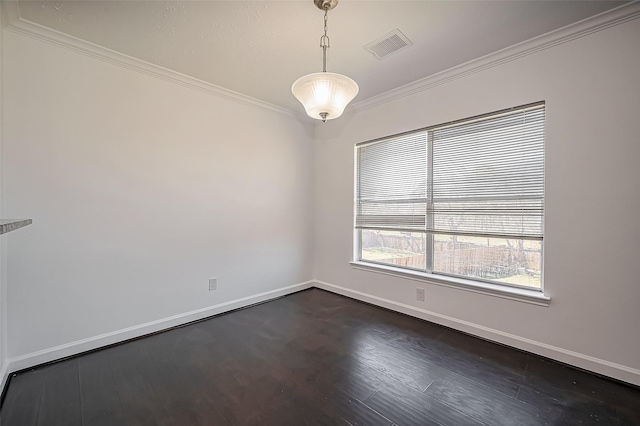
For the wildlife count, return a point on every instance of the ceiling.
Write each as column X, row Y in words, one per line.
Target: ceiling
column 258, row 48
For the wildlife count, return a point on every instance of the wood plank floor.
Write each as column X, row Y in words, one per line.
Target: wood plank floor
column 314, row 358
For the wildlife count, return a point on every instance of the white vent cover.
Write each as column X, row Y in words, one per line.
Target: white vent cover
column 388, row 44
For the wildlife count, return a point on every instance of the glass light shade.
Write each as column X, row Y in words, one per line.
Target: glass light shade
column 324, row 92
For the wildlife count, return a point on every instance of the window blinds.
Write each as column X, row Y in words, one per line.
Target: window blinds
column 483, row 176
column 391, row 184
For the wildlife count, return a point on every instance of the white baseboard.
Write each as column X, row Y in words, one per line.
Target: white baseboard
column 79, row 346
column 586, row 362
column 600, row 366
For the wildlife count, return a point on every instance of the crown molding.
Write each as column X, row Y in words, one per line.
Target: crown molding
column 607, row 19
column 627, row 12
column 14, row 23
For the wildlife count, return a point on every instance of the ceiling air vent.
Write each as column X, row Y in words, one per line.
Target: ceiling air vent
column 388, row 44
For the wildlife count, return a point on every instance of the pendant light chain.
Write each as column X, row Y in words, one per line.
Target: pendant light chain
column 324, row 40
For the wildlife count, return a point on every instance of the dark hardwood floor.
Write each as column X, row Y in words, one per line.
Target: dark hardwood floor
column 314, row 358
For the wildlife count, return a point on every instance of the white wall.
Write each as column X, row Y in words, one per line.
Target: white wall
column 3, row 287
column 591, row 86
column 140, row 190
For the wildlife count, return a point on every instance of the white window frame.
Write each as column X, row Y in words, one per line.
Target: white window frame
column 477, row 285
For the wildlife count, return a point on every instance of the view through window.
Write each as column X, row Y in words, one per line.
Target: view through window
column 464, row 199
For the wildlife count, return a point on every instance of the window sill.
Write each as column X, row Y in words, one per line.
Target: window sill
column 512, row 293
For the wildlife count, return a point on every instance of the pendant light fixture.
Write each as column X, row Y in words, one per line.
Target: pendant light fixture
column 324, row 95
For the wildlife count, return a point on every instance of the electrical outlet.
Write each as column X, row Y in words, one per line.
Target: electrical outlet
column 420, row 294
column 213, row 284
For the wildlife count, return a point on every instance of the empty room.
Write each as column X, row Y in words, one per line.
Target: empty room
column 319, row 212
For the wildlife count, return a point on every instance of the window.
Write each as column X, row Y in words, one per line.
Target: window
column 464, row 199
